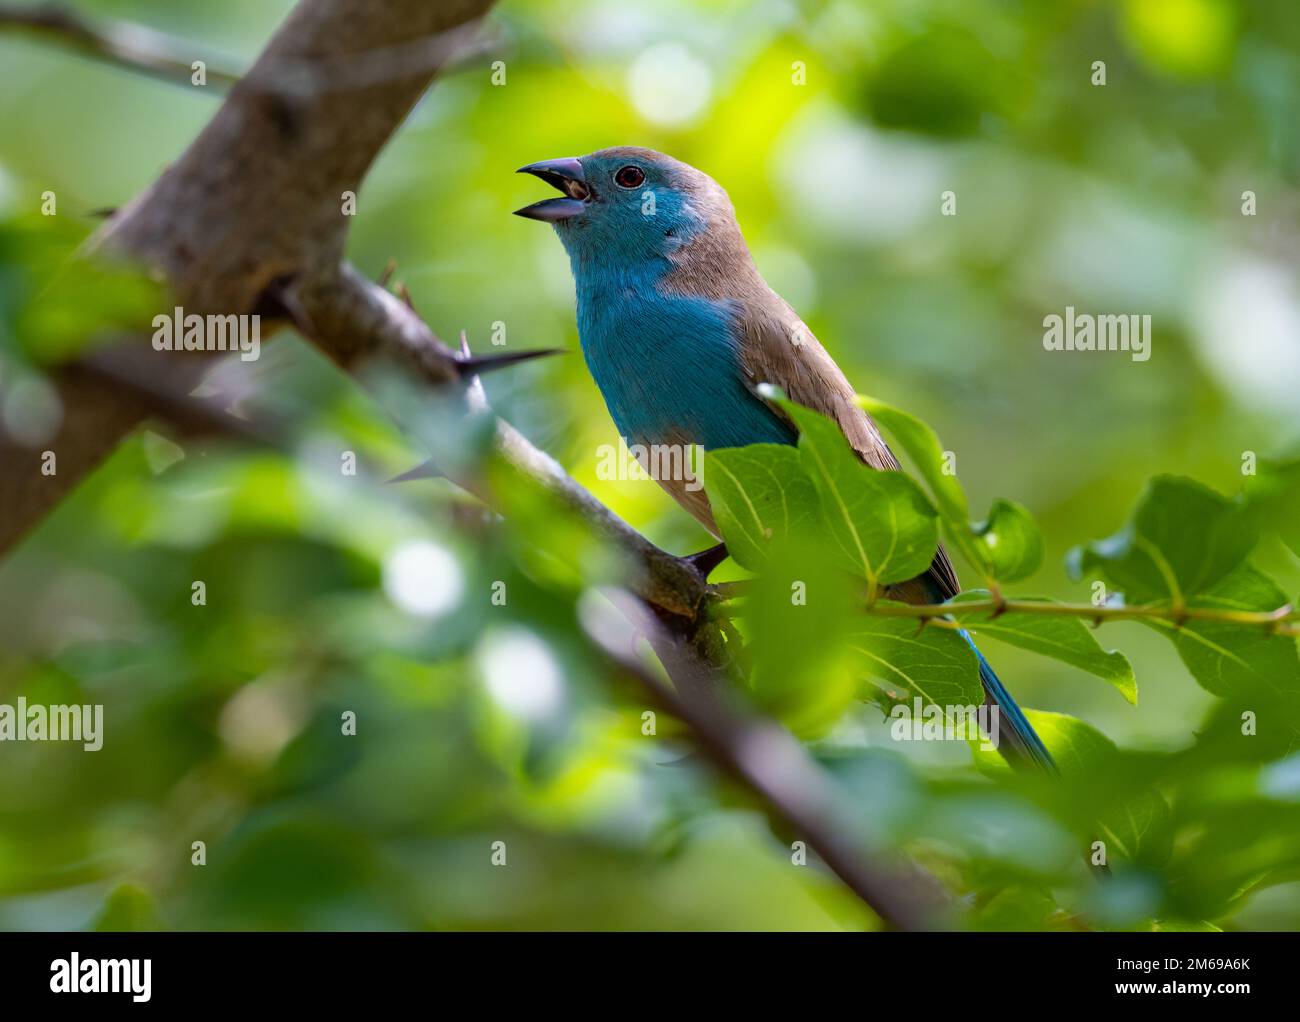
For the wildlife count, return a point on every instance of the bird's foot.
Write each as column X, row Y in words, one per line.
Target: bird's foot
column 706, row 560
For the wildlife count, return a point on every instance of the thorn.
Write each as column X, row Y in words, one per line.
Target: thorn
column 386, row 274
column 405, row 295
column 706, row 560
column 473, row 365
column 103, row 212
column 425, row 470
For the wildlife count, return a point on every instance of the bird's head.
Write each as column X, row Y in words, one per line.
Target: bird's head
column 628, row 204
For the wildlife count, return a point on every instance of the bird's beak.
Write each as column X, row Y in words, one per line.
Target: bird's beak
column 567, row 176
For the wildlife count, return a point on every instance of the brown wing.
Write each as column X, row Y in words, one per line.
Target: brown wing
column 779, row 349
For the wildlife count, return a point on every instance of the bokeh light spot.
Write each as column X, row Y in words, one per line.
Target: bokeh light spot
column 521, row 673
column 667, row 85
column 423, row 578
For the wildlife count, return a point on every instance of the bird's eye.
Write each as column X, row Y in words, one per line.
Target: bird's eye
column 630, row 177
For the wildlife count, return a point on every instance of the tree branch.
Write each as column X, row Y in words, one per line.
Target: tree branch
column 138, row 48
column 249, row 221
column 759, row 753
column 254, row 201
column 772, row 763
column 120, row 43
column 1276, row 621
column 352, row 319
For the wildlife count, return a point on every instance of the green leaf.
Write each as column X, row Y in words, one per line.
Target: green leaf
column 922, row 445
column 796, row 615
column 1012, row 544
column 937, row 664
column 1014, row 909
column 1234, row 660
column 1184, row 538
column 926, row 452
column 1067, row 639
column 1078, row 748
column 760, row 496
column 129, row 907
column 882, row 523
column 86, row 302
column 1138, row 828
column 1273, row 496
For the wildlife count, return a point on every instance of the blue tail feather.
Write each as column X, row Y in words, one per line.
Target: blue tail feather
column 1025, row 742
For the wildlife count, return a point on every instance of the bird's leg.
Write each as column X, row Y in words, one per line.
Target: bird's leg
column 706, row 560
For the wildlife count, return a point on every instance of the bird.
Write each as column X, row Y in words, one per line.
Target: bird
column 680, row 331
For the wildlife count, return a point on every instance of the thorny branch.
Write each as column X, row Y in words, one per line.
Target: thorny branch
column 248, row 220
column 758, row 752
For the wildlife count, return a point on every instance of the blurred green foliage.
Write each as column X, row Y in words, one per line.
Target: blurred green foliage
column 479, row 722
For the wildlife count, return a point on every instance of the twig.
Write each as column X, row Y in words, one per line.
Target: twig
column 758, row 752
column 286, row 164
column 356, row 319
column 122, row 43
column 137, row 48
column 1277, row 621
column 772, row 763
column 202, row 227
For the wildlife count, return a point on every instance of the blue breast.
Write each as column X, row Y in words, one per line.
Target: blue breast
column 669, row 365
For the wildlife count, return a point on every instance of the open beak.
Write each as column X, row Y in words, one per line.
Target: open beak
column 565, row 175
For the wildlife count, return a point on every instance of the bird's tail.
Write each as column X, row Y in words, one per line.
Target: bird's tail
column 1017, row 740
